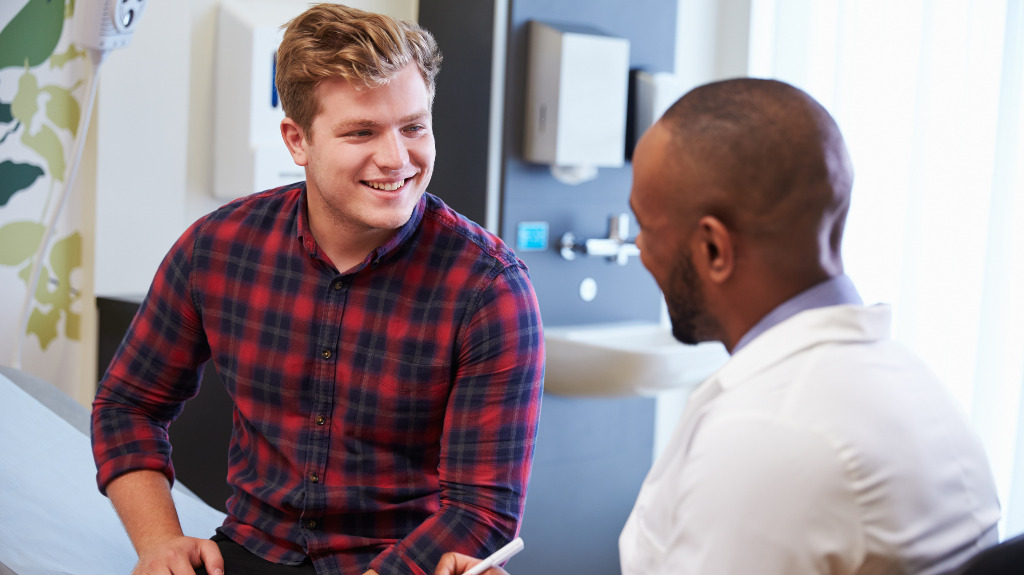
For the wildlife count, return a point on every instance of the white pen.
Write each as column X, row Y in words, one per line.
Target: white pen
column 499, row 556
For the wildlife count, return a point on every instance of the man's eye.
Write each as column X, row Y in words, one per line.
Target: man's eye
column 355, row 134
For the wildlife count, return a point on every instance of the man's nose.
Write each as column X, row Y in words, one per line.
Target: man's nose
column 392, row 153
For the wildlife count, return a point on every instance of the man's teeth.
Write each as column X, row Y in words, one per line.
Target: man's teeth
column 386, row 187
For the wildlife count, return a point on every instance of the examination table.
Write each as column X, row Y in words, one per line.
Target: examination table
column 53, row 519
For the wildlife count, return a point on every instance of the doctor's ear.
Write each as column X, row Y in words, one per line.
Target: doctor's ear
column 715, row 250
column 295, row 139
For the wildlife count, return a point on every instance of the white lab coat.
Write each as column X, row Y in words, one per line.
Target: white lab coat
column 820, row 447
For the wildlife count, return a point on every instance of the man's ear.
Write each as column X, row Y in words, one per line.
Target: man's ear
column 295, row 139
column 715, row 254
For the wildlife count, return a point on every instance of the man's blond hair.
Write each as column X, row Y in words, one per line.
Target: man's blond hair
column 334, row 41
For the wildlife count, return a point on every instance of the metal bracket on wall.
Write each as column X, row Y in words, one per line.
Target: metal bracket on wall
column 615, row 247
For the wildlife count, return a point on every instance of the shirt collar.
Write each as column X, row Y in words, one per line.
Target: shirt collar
column 305, row 234
column 838, row 290
column 402, row 235
column 302, row 229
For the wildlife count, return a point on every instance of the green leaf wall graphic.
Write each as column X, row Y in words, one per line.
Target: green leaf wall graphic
column 47, row 144
column 42, row 118
column 72, row 53
column 54, row 294
column 26, row 99
column 16, row 177
column 57, row 294
column 20, row 241
column 61, row 109
column 32, row 34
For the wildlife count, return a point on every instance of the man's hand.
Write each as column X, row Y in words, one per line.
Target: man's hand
column 457, row 564
column 143, row 502
column 180, row 556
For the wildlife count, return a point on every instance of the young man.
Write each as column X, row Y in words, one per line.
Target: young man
column 822, row 446
column 384, row 354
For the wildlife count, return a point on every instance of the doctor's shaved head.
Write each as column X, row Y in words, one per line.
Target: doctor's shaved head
column 775, row 164
column 741, row 190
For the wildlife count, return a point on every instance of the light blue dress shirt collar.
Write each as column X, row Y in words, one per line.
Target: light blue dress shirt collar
column 838, row 290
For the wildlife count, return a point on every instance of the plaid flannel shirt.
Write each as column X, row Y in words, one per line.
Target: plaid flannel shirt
column 382, row 416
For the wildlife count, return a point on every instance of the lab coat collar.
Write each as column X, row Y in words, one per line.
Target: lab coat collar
column 832, row 324
column 837, row 290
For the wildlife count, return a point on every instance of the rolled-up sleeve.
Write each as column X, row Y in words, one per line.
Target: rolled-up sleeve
column 153, row 373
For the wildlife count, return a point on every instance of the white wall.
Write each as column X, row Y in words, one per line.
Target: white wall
column 711, row 40
column 142, row 122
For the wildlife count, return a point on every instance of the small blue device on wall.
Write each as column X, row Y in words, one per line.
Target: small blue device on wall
column 532, row 236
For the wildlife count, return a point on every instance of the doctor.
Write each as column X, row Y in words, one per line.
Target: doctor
column 822, row 446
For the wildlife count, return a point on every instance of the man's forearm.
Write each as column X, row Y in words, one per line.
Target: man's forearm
column 144, row 504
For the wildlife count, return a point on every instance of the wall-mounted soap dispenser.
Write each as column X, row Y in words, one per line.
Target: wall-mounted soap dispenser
column 576, row 99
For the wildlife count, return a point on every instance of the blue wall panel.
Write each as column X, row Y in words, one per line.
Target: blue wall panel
column 532, row 194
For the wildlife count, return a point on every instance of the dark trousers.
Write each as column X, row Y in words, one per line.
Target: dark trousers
column 239, row 561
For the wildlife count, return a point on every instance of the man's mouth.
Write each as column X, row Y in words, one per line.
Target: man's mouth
column 387, row 186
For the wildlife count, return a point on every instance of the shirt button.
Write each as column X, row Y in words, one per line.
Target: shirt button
column 311, row 524
column 313, row 477
column 320, row 420
column 338, row 285
column 326, row 354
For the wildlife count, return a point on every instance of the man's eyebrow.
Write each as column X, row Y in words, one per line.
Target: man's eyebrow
column 415, row 116
column 366, row 123
column 349, row 124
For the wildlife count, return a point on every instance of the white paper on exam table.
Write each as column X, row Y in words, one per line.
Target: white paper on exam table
column 53, row 520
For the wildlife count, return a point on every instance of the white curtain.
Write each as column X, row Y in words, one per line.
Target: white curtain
column 929, row 96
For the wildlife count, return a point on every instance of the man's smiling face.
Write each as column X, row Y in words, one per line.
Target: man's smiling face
column 370, row 152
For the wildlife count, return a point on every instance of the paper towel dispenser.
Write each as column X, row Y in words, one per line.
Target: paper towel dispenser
column 655, row 92
column 577, row 86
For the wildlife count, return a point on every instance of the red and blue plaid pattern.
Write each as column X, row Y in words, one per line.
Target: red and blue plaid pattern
column 382, row 416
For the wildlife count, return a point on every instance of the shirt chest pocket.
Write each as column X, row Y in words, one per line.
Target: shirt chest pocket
column 397, row 401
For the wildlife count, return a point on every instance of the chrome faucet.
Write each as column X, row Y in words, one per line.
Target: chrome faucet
column 615, row 247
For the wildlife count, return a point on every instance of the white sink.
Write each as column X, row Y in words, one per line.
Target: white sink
column 624, row 359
